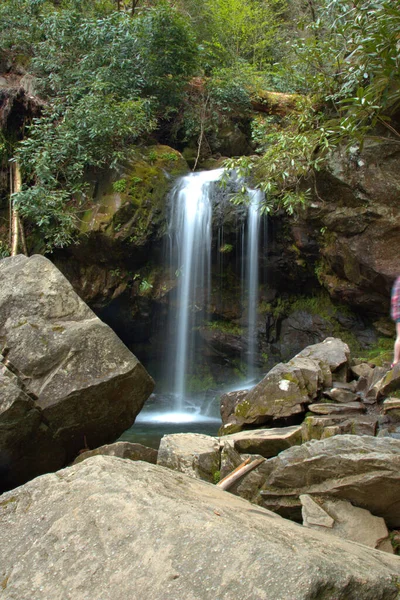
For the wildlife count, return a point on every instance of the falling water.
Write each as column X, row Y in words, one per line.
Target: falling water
column 190, row 235
column 251, row 293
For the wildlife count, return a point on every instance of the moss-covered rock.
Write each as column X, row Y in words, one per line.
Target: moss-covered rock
column 128, row 203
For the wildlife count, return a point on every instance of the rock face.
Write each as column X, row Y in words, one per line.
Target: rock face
column 87, row 387
column 361, row 469
column 134, row 530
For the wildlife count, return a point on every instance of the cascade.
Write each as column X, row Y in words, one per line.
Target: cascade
column 251, row 278
column 188, row 257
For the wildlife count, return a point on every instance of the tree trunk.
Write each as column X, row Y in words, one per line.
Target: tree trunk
column 15, row 222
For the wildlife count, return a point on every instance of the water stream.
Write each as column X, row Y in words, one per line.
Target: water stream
column 188, row 254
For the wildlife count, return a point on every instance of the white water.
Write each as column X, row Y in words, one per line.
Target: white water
column 190, row 228
column 251, row 293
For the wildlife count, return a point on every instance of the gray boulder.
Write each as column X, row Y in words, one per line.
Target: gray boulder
column 364, row 470
column 88, row 387
column 265, row 442
column 195, row 454
column 287, row 389
column 27, row 446
column 342, row 519
column 114, row 529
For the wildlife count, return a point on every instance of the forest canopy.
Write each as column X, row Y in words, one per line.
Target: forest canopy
column 112, row 73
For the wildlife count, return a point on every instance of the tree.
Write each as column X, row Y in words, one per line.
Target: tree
column 104, row 86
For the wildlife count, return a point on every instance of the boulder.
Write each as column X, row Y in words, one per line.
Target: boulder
column 115, row 529
column 195, row 454
column 342, row 519
column 331, row 353
column 126, row 450
column 282, row 395
column 321, row 427
column 364, row 470
column 265, row 442
column 88, row 387
column 27, row 445
column 341, row 395
column 391, row 407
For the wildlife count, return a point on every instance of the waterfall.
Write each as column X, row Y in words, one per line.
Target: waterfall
column 190, row 240
column 250, row 278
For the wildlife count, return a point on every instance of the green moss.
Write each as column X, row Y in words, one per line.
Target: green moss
column 216, row 476
column 242, row 408
column 10, row 500
column 225, row 327
column 380, row 353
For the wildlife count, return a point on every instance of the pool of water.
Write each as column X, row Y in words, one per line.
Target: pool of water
column 158, row 418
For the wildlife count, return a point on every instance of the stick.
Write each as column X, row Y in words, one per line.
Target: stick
column 241, row 470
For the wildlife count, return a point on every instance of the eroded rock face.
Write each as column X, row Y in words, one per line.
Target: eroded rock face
column 88, row 386
column 135, row 530
column 361, row 469
column 360, row 210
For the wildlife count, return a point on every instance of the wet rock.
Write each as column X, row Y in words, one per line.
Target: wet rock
column 196, row 541
column 340, row 518
column 195, row 454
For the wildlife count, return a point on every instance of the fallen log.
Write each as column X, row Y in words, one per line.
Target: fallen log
column 245, row 467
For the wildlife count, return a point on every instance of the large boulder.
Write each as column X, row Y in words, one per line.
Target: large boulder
column 361, row 469
column 87, row 387
column 114, row 529
column 282, row 397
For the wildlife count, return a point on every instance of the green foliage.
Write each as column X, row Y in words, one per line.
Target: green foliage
column 225, row 327
column 226, row 248
column 347, row 61
column 120, row 186
column 381, row 353
column 104, row 77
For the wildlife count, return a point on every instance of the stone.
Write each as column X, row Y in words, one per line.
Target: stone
column 346, row 521
column 313, row 514
column 27, row 446
column 389, row 383
column 326, row 408
column 364, row 470
column 320, row 427
column 110, row 528
column 361, row 370
column 195, row 454
column 229, row 402
column 341, row 395
column 391, row 407
column 265, row 442
column 126, row 450
column 283, row 393
column 332, row 352
column 88, row 387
